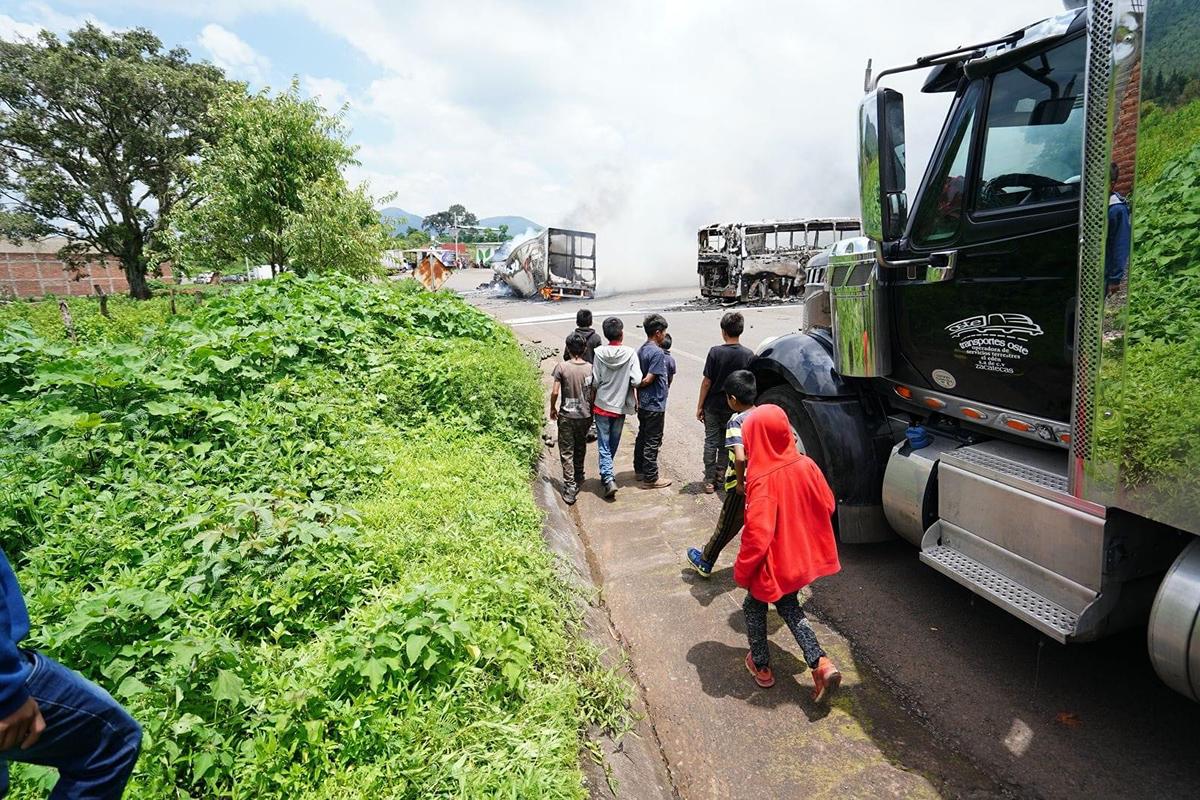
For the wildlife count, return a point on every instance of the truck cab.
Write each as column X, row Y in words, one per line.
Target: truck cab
column 994, row 377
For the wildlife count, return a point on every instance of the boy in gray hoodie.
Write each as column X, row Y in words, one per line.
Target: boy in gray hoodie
column 615, row 373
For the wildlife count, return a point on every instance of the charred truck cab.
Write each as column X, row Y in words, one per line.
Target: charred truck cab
column 760, row 261
column 1010, row 374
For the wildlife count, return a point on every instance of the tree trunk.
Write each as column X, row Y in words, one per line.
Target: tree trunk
column 135, row 273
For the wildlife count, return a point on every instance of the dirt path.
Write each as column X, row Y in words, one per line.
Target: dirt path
column 723, row 736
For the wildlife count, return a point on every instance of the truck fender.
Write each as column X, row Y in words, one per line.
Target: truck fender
column 802, row 360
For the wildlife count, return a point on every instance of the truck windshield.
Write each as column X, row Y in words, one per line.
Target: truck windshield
column 1034, row 126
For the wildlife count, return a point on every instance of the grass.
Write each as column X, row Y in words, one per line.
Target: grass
column 292, row 532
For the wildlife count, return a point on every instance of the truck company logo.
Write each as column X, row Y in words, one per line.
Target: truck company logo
column 995, row 340
column 1016, row 325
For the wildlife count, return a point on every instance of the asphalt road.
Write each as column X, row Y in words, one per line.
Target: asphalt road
column 1044, row 719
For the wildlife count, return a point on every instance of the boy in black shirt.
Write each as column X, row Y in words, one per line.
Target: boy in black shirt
column 591, row 339
column 711, row 408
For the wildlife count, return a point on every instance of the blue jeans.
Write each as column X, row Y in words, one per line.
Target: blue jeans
column 608, row 438
column 89, row 738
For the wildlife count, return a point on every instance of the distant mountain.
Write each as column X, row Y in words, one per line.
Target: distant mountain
column 515, row 225
column 402, row 220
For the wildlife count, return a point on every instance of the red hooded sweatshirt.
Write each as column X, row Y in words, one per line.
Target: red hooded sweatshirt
column 787, row 541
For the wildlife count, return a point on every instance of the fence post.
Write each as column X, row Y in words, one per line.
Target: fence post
column 103, row 300
column 65, row 312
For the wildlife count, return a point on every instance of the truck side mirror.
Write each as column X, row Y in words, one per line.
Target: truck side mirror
column 881, row 175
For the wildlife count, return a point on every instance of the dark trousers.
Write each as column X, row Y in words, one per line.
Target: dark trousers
column 572, row 449
column 649, row 442
column 789, row 608
column 714, row 444
column 733, row 516
column 89, row 738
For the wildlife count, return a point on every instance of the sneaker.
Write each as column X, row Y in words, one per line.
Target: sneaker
column 763, row 677
column 610, row 488
column 661, row 483
column 569, row 498
column 709, row 488
column 826, row 680
column 696, row 559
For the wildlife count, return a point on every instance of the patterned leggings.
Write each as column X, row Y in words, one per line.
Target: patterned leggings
column 789, row 608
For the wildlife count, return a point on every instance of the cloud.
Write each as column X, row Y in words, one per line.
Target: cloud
column 329, row 92
column 34, row 17
column 229, row 52
column 639, row 121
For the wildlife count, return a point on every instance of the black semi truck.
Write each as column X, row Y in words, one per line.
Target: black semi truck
column 1010, row 375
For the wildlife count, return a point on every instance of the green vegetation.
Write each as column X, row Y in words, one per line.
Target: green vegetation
column 1172, row 56
column 271, row 191
column 1152, row 374
column 292, row 532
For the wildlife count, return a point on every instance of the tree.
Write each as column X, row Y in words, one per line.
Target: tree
column 95, row 133
column 253, row 179
column 337, row 229
column 441, row 222
column 412, row 239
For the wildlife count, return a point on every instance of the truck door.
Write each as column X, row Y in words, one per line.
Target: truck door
column 988, row 313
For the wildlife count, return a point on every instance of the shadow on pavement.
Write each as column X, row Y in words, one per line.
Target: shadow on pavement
column 706, row 590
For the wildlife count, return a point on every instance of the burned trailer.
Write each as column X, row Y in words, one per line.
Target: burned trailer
column 552, row 264
column 764, row 260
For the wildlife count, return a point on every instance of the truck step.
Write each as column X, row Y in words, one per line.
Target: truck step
column 1047, row 616
column 1032, row 469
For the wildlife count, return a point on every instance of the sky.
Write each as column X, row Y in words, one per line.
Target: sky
column 641, row 121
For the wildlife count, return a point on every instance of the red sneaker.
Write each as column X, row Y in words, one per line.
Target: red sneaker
column 763, row 677
column 826, row 680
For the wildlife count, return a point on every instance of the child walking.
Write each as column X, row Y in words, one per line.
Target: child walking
column 722, row 361
column 615, row 373
column 571, row 408
column 740, row 391
column 787, row 543
column 652, row 403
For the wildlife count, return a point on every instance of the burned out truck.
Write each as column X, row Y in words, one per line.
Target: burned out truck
column 552, row 264
column 1010, row 375
column 757, row 261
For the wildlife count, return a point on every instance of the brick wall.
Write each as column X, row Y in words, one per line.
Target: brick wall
column 38, row 274
column 1125, row 141
column 33, row 269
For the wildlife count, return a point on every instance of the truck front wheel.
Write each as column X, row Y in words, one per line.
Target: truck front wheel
column 833, row 433
column 792, row 402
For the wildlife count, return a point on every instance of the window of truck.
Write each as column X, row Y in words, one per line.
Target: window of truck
column 941, row 203
column 1031, row 148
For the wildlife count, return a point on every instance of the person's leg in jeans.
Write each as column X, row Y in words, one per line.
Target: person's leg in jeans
column 567, row 455
column 789, row 608
column 756, row 630
column 714, row 445
column 733, row 516
column 89, row 738
column 650, row 433
column 608, row 438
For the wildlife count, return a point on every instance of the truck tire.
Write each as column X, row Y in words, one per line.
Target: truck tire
column 792, row 402
column 832, row 433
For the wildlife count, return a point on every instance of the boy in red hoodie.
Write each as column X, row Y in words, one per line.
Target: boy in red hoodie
column 787, row 543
